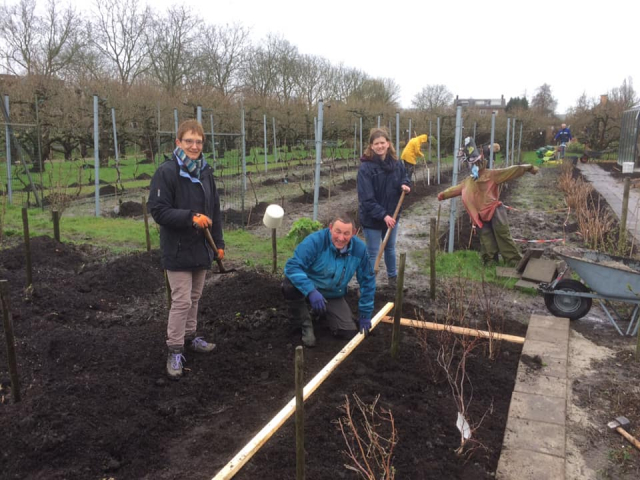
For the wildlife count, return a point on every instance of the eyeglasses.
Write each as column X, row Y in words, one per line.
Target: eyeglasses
column 190, row 141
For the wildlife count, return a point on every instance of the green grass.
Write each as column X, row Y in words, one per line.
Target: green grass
column 123, row 235
column 465, row 264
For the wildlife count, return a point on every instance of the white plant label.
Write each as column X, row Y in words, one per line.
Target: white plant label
column 463, row 426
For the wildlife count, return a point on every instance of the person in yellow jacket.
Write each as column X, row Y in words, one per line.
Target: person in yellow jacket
column 412, row 152
column 480, row 196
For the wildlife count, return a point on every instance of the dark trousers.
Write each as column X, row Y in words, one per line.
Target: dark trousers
column 338, row 314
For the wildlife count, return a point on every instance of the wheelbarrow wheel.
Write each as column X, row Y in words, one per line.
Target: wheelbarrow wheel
column 567, row 306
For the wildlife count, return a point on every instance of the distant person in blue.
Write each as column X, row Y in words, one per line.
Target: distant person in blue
column 318, row 273
column 563, row 137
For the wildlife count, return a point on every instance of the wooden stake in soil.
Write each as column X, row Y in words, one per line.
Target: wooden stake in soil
column 8, row 332
column 397, row 314
column 438, row 227
column 276, row 422
column 146, row 223
column 432, row 256
column 56, row 225
column 452, row 328
column 274, row 246
column 299, row 413
column 27, row 246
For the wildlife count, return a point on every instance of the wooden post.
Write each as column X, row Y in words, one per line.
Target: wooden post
column 27, row 245
column 623, row 217
column 397, row 313
column 56, row 225
column 243, row 456
column 146, row 223
column 168, row 287
column 455, row 329
column 274, row 246
column 432, row 256
column 438, row 226
column 8, row 331
column 299, row 364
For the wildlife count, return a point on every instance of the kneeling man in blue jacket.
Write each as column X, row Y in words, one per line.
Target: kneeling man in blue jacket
column 318, row 273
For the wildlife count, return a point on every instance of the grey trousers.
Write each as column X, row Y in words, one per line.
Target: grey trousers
column 338, row 312
column 186, row 290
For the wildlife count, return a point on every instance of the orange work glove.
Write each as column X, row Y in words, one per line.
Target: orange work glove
column 220, row 254
column 201, row 221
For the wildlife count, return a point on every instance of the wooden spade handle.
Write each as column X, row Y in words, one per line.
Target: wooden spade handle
column 207, row 234
column 629, row 437
column 376, row 266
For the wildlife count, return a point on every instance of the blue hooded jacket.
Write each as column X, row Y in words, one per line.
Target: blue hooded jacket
column 379, row 189
column 318, row 264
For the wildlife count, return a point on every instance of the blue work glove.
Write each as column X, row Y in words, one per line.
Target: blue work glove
column 365, row 325
column 318, row 302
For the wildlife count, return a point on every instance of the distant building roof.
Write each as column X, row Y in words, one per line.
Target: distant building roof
column 491, row 103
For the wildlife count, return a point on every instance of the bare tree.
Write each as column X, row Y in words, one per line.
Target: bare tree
column 261, row 73
column 39, row 45
column 287, row 65
column 118, row 34
column 222, row 52
column 343, row 82
column 171, row 45
column 18, row 27
column 311, row 79
column 433, row 98
column 543, row 101
column 378, row 92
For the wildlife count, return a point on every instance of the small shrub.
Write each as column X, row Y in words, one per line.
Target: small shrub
column 575, row 147
column 303, row 227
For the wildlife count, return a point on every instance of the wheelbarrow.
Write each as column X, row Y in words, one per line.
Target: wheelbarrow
column 607, row 279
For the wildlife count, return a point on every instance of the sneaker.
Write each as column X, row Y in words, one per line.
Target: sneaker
column 199, row 345
column 174, row 365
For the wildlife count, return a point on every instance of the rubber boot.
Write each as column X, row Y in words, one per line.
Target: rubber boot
column 308, row 336
column 488, row 246
column 508, row 249
column 300, row 318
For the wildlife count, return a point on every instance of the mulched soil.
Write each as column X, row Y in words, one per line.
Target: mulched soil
column 96, row 404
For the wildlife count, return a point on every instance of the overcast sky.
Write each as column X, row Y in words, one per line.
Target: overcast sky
column 476, row 48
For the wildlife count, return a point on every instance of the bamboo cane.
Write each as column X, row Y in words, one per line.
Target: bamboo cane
column 452, row 328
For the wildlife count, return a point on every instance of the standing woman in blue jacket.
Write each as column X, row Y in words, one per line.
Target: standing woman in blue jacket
column 381, row 180
column 184, row 201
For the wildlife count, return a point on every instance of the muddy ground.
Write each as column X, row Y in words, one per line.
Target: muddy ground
column 96, row 404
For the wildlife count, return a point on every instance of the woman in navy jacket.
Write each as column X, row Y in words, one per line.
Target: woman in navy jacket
column 381, row 180
column 184, row 201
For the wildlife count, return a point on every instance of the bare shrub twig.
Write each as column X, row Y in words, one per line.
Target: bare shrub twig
column 369, row 451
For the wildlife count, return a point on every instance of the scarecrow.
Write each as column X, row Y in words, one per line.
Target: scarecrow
column 480, row 196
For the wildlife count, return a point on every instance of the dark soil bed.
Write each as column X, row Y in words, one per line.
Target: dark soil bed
column 96, row 404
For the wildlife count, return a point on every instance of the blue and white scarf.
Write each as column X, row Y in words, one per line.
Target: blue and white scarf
column 194, row 167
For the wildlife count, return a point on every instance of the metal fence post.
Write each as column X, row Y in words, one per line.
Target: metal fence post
column 96, row 153
column 452, row 214
column 8, row 137
column 316, row 190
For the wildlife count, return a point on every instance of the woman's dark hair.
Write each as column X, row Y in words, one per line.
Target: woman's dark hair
column 377, row 133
